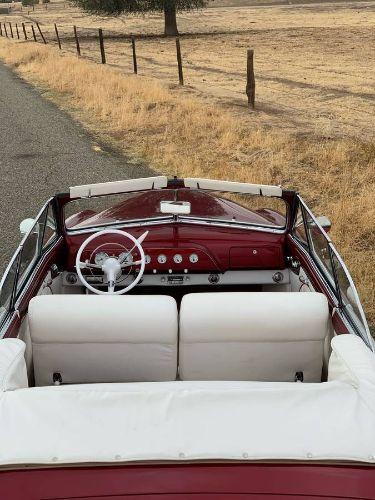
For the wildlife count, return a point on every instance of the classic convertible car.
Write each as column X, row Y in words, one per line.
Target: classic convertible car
column 183, row 338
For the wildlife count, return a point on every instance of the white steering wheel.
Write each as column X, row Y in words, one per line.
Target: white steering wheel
column 112, row 266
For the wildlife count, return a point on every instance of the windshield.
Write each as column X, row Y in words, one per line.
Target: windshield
column 234, row 208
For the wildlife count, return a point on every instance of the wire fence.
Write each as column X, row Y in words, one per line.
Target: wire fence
column 120, row 50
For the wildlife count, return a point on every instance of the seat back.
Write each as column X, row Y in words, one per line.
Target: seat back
column 253, row 336
column 90, row 338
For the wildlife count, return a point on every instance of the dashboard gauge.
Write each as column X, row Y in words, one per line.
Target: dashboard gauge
column 125, row 258
column 177, row 258
column 147, row 259
column 162, row 259
column 193, row 258
column 100, row 258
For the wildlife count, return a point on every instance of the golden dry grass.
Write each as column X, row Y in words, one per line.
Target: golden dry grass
column 314, row 64
column 184, row 136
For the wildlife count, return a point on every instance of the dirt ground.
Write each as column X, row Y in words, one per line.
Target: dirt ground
column 314, row 63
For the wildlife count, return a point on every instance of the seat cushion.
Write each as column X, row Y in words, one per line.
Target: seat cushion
column 89, row 338
column 252, row 336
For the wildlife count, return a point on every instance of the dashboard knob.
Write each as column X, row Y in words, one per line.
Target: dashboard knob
column 213, row 279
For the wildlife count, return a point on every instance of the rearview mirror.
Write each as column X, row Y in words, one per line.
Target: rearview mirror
column 175, row 207
column 26, row 225
column 324, row 222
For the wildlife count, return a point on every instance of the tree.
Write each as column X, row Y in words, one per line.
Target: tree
column 117, row 7
column 28, row 3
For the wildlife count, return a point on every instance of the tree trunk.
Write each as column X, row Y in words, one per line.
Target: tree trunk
column 170, row 27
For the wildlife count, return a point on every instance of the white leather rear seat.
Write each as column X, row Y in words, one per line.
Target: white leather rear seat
column 90, row 338
column 253, row 336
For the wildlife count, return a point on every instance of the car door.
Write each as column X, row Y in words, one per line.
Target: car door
column 25, row 260
column 309, row 234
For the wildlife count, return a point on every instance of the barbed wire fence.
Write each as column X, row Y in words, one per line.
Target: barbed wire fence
column 113, row 47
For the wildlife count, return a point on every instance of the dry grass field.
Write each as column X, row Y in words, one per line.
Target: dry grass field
column 313, row 127
column 314, row 63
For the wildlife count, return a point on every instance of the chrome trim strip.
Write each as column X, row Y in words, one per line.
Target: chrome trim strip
column 141, row 222
column 214, row 222
column 208, row 220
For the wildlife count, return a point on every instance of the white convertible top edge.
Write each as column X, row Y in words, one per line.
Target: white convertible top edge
column 116, row 187
column 233, row 187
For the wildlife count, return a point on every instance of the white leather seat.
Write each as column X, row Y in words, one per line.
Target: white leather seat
column 88, row 338
column 253, row 336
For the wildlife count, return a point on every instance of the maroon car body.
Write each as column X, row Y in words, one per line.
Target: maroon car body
column 220, row 246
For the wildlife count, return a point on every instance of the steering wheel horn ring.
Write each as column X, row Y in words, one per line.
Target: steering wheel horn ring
column 112, row 266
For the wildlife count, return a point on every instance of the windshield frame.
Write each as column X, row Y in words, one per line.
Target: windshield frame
column 188, row 219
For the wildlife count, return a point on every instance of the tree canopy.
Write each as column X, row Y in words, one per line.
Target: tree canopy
column 117, row 7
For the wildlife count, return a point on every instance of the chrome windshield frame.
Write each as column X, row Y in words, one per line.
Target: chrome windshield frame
column 332, row 249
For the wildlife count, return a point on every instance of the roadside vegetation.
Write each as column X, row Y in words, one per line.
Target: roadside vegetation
column 182, row 135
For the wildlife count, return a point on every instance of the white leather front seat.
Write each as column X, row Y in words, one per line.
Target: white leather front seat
column 94, row 339
column 262, row 336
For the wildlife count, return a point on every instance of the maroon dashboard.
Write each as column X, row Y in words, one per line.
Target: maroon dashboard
column 184, row 247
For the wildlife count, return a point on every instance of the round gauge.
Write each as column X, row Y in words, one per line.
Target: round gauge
column 193, row 258
column 100, row 258
column 147, row 259
column 125, row 258
column 177, row 258
column 162, row 259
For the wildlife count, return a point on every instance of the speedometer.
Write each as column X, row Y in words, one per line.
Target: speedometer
column 125, row 258
column 100, row 258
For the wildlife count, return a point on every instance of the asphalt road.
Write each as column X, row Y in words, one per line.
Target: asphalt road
column 44, row 151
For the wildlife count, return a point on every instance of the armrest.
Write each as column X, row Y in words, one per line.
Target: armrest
column 13, row 373
column 351, row 361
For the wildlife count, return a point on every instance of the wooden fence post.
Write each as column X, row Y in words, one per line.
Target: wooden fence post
column 18, row 34
column 24, row 31
column 101, row 43
column 77, row 41
column 135, row 67
column 34, row 35
column 5, row 29
column 250, row 85
column 41, row 34
column 11, row 29
column 179, row 62
column 57, row 37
